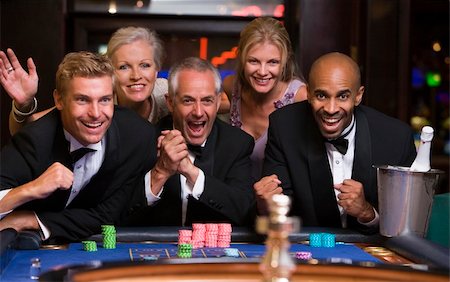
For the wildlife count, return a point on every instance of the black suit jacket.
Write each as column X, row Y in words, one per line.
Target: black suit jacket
column 130, row 153
column 296, row 153
column 228, row 193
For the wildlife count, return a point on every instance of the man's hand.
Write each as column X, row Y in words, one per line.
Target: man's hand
column 172, row 149
column 188, row 170
column 353, row 201
column 20, row 220
column 57, row 176
column 20, row 85
column 265, row 189
column 185, row 165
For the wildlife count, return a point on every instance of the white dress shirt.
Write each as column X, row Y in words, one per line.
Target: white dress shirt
column 83, row 170
column 86, row 167
column 187, row 189
column 342, row 166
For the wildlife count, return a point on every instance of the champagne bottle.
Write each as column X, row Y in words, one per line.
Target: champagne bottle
column 422, row 161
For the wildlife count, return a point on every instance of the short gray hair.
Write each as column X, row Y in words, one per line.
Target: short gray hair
column 196, row 64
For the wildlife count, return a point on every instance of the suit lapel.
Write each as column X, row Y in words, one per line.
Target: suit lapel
column 321, row 178
column 206, row 160
column 61, row 154
column 362, row 163
column 112, row 140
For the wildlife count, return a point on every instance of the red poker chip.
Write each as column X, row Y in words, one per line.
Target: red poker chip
column 223, row 245
column 198, row 226
column 225, row 227
column 185, row 232
column 212, row 226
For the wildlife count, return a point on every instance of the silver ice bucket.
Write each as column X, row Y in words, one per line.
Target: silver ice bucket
column 405, row 199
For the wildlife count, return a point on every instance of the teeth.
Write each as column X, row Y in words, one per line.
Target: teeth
column 331, row 120
column 196, row 125
column 93, row 125
column 137, row 86
column 260, row 80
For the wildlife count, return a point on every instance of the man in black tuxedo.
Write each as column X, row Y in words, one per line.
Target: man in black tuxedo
column 48, row 185
column 203, row 170
column 331, row 186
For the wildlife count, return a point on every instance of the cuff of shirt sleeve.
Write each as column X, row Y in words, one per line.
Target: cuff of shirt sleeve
column 2, row 195
column 151, row 198
column 199, row 185
column 374, row 222
column 45, row 232
column 3, row 214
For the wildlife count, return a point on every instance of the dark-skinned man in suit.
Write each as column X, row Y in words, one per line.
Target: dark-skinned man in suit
column 332, row 185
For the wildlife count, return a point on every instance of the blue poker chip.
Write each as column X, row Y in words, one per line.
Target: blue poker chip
column 315, row 239
column 328, row 240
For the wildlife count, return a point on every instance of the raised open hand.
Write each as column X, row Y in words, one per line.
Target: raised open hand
column 20, row 85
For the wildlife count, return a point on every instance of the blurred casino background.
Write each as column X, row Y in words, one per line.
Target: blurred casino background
column 402, row 46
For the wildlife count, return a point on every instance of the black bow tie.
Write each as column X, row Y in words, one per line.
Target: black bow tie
column 341, row 144
column 195, row 149
column 79, row 153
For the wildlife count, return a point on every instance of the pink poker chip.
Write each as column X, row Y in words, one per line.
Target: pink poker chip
column 303, row 255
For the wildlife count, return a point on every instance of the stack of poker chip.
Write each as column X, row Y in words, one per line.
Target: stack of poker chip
column 210, row 235
column 184, row 236
column 303, row 255
column 212, row 231
column 90, row 246
column 224, row 235
column 198, row 235
column 315, row 240
column 184, row 250
column 109, row 236
column 326, row 240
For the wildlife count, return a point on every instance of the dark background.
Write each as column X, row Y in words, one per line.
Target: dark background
column 387, row 38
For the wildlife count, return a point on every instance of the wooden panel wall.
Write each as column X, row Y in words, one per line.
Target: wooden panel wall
column 33, row 29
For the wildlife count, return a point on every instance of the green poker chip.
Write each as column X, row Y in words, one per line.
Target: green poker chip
column 90, row 246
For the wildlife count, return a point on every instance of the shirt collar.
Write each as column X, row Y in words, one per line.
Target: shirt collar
column 349, row 128
column 74, row 144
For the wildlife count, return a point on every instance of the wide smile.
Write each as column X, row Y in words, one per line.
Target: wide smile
column 261, row 81
column 136, row 87
column 92, row 125
column 196, row 127
column 330, row 121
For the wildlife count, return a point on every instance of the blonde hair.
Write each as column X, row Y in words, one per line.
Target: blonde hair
column 267, row 29
column 127, row 35
column 82, row 64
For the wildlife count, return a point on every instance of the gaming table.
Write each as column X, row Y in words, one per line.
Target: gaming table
column 150, row 253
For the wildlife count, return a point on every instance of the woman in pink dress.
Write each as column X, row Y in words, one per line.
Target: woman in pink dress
column 267, row 78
